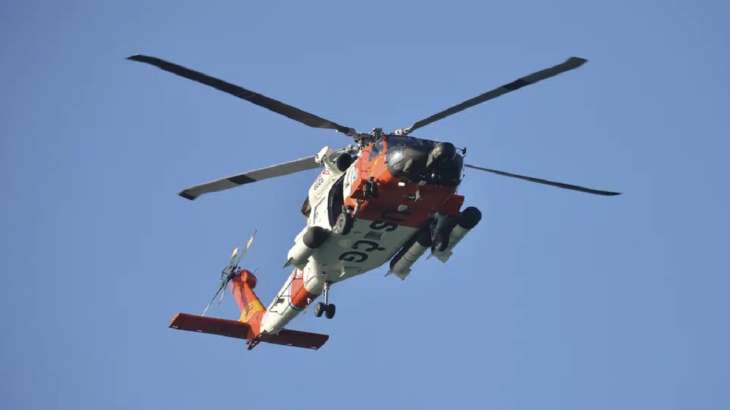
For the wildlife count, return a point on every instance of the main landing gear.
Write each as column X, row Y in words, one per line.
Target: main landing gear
column 344, row 222
column 326, row 308
column 323, row 308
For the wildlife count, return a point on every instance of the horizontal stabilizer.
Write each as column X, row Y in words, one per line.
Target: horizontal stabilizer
column 216, row 326
column 240, row 330
column 297, row 338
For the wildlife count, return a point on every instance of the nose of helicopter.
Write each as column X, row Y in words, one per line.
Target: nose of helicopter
column 423, row 160
column 444, row 164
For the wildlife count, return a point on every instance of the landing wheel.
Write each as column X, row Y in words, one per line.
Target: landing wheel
column 320, row 308
column 327, row 308
column 344, row 223
column 330, row 312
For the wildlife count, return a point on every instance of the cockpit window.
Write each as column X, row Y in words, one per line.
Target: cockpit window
column 416, row 144
column 375, row 150
column 408, row 158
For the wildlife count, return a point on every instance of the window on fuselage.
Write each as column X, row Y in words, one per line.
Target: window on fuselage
column 335, row 200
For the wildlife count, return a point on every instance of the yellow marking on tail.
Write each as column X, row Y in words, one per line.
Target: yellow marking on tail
column 252, row 308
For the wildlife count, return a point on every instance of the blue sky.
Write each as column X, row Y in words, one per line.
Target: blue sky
column 558, row 300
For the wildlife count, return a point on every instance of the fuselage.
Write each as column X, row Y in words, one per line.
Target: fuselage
column 392, row 190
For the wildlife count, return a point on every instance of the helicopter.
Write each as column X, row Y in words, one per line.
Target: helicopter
column 387, row 197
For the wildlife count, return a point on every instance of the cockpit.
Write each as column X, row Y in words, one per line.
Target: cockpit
column 418, row 160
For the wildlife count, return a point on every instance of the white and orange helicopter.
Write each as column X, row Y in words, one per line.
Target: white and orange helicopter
column 387, row 197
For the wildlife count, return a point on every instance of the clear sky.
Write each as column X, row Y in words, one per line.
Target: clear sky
column 558, row 300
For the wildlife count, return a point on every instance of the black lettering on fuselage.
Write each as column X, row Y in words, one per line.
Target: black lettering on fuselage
column 353, row 256
column 360, row 250
column 374, row 246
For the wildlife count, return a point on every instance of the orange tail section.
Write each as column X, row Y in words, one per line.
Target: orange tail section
column 252, row 310
column 248, row 326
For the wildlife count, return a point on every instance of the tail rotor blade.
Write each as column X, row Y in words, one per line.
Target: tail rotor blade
column 222, row 293
column 205, row 311
column 248, row 245
column 230, row 271
column 218, row 294
column 235, row 257
column 215, row 296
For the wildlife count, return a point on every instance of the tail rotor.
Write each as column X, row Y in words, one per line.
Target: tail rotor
column 230, row 271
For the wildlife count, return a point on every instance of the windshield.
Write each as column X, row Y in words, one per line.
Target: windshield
column 407, row 156
column 417, row 160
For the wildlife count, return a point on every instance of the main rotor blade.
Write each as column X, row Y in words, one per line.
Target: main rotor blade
column 545, row 181
column 569, row 64
column 278, row 170
column 248, row 95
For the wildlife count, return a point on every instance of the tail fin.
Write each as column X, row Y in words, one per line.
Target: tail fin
column 252, row 310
